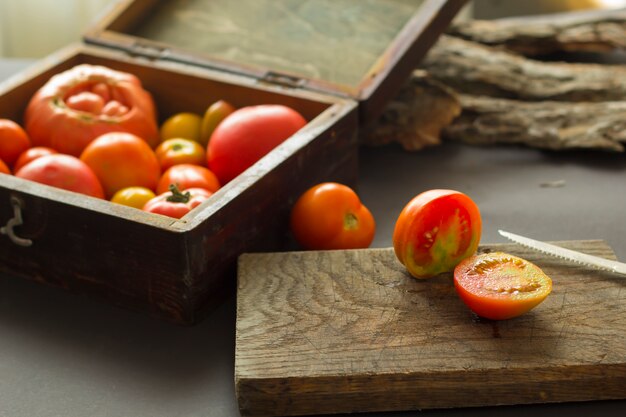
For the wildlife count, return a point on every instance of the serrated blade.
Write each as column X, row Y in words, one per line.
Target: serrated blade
column 568, row 254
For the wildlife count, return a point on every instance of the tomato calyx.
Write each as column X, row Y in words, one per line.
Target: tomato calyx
column 350, row 221
column 177, row 196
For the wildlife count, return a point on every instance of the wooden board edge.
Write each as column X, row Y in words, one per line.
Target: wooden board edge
column 417, row 391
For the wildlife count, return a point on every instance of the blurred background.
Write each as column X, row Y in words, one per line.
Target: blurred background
column 35, row 28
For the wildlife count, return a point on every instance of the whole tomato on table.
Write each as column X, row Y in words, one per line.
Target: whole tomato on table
column 331, row 216
column 176, row 203
column 78, row 105
column 435, row 231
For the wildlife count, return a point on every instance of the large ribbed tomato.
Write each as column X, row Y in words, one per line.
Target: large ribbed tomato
column 78, row 105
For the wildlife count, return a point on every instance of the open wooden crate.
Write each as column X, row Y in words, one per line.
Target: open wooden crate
column 179, row 269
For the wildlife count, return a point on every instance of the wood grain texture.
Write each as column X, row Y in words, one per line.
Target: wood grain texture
column 350, row 331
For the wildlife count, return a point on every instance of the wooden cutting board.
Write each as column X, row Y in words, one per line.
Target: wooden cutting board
column 351, row 331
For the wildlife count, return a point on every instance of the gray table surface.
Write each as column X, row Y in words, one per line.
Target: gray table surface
column 65, row 355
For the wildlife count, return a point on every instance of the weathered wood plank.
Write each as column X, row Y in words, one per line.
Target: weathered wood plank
column 348, row 331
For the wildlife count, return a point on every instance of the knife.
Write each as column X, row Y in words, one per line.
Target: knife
column 568, row 254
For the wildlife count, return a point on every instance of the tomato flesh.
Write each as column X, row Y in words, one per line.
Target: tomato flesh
column 500, row 286
column 435, row 231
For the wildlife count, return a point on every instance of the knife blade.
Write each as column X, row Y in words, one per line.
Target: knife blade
column 567, row 254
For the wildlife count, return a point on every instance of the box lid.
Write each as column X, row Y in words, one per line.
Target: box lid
column 363, row 49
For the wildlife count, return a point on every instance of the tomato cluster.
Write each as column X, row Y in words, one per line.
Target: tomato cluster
column 94, row 130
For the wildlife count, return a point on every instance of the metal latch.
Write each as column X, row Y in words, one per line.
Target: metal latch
column 16, row 220
column 283, row 80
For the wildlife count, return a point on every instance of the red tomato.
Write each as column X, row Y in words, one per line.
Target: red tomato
column 188, row 176
column 78, row 105
column 435, row 231
column 32, row 153
column 500, row 286
column 331, row 216
column 246, row 135
column 62, row 171
column 122, row 160
column 4, row 169
column 175, row 203
column 13, row 141
column 180, row 151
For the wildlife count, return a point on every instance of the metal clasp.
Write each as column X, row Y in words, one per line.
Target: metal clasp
column 17, row 204
column 283, row 80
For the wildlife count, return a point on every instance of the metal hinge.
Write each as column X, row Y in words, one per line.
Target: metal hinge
column 283, row 80
column 148, row 51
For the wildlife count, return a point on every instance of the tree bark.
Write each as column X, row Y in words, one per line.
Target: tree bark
column 546, row 125
column 586, row 31
column 475, row 69
column 477, row 94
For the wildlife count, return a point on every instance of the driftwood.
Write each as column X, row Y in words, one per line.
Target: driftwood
column 546, row 125
column 508, row 98
column 416, row 116
column 587, row 31
column 476, row 69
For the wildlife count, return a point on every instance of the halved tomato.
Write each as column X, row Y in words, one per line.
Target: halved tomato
column 435, row 231
column 500, row 286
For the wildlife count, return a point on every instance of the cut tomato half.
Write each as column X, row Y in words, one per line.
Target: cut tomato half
column 435, row 231
column 500, row 286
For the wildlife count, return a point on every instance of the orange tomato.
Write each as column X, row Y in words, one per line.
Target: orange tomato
column 135, row 197
column 122, row 160
column 4, row 169
column 180, row 151
column 500, row 286
column 186, row 176
column 435, row 231
column 13, row 141
column 30, row 154
column 331, row 216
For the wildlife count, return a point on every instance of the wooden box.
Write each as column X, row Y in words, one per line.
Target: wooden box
column 179, row 269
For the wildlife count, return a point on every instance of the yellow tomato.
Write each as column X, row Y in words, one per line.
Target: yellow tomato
column 133, row 196
column 182, row 125
column 213, row 117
